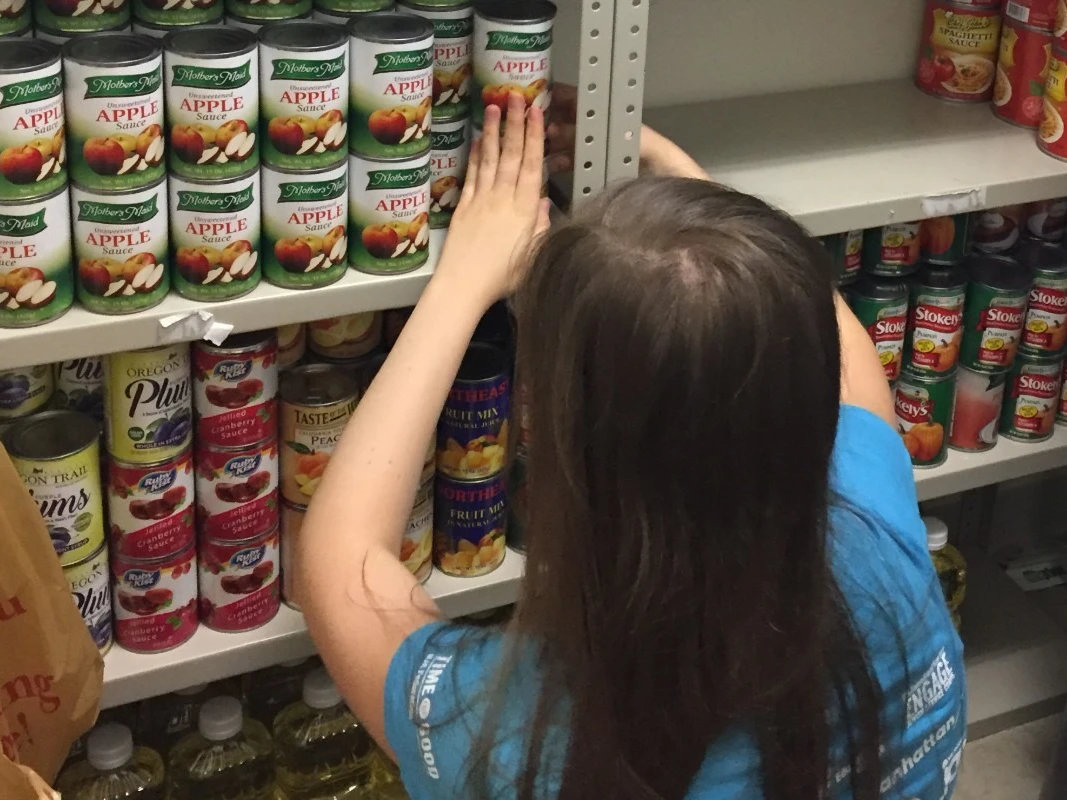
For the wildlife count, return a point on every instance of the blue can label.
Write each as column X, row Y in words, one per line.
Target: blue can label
column 473, row 431
column 469, row 524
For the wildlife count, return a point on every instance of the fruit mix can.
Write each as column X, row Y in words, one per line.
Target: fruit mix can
column 846, row 251
column 882, row 308
column 292, row 342
column 1045, row 328
column 946, row 240
column 958, row 51
column 923, row 405
column 235, row 388
column 36, row 274
column 1022, row 70
column 90, row 588
column 472, row 434
column 976, row 413
column 33, row 153
column 994, row 312
column 346, row 337
column 1047, row 219
column 935, row 319
column 997, row 230
column 470, row 521
column 892, row 251
column 151, row 507
column 1032, row 398
column 155, row 602
column 237, row 491
column 1050, row 130
column 239, row 586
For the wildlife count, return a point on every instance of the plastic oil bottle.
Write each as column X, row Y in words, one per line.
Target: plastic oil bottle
column 228, row 757
column 950, row 565
column 323, row 753
column 113, row 769
column 270, row 690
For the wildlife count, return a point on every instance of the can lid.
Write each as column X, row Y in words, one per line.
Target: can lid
column 936, row 533
column 482, row 362
column 528, row 11
column 1041, row 256
column 878, row 289
column 305, row 36
column 320, row 692
column 390, row 28
column 51, row 434
column 460, row 5
column 940, row 276
column 316, row 385
column 21, row 55
column 109, row 746
column 238, row 342
column 209, row 41
column 220, row 718
column 112, row 49
column 999, row 272
column 914, row 375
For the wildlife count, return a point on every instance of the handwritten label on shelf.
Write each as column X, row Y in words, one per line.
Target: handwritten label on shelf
column 193, row 325
column 944, row 205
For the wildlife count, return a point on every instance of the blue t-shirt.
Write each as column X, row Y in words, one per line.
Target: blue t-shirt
column 439, row 680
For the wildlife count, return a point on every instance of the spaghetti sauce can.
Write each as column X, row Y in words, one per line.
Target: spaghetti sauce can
column 976, row 413
column 239, row 586
column 935, row 319
column 472, row 434
column 958, row 51
column 1040, row 14
column 470, row 522
column 151, row 507
column 1050, row 131
column 892, row 251
column 994, row 312
column 90, row 589
column 235, row 386
column 1022, row 69
column 155, row 602
column 882, row 308
column 1033, row 398
column 1045, row 329
column 923, row 405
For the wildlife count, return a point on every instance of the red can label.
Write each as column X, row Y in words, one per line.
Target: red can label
column 1019, row 90
column 237, row 492
column 1059, row 23
column 235, row 395
column 1061, row 416
column 936, row 331
column 958, row 52
column 239, row 583
column 155, row 601
column 1038, row 13
column 1001, row 328
column 151, row 507
column 1050, row 132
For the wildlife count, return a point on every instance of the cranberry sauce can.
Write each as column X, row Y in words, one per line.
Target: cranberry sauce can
column 923, row 404
column 239, row 586
column 935, row 319
column 151, row 507
column 469, row 524
column 976, row 412
column 237, row 491
column 155, row 601
column 1045, row 329
column 882, row 308
column 235, row 386
column 1033, row 398
column 473, row 430
column 994, row 312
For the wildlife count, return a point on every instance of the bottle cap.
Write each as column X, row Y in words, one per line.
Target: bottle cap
column 191, row 690
column 936, row 533
column 221, row 718
column 109, row 747
column 320, row 692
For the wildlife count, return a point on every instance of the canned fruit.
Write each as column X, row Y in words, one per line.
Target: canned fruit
column 150, row 507
column 389, row 215
column 15, row 21
column 237, row 491
column 469, row 526
column 1033, row 398
column 168, row 14
column 292, row 518
column 79, row 386
column 935, row 320
column 416, row 548
column 449, row 155
column 923, row 407
column 120, row 242
column 155, row 602
column 80, row 16
column 453, row 28
column 24, row 391
column 33, row 152
column 239, row 588
column 975, row 415
column 214, row 237
column 946, row 240
column 346, row 337
column 845, row 251
column 147, row 399
column 57, row 455
column 1050, row 136
column 892, row 250
column 1047, row 219
column 1022, row 70
column 882, row 308
column 90, row 589
column 472, row 434
column 993, row 313
column 36, row 283
column 958, row 51
column 391, row 85
column 250, row 11
column 235, row 388
column 305, row 233
column 292, row 341
column 340, row 12
column 114, row 111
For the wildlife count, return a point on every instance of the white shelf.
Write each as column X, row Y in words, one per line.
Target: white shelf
column 859, row 156
column 80, row 333
column 210, row 655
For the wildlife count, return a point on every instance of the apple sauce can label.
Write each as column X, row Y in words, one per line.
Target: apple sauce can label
column 1032, row 399
column 923, row 405
column 36, row 278
column 150, row 507
column 389, row 215
column 237, row 491
column 212, row 110
column 305, row 227
column 81, row 16
column 470, row 520
column 214, row 237
column 453, row 28
column 449, row 155
column 511, row 56
column 892, row 250
column 171, row 13
column 391, row 87
column 148, row 404
column 155, row 602
column 33, row 151
column 120, row 244
column 79, row 386
column 15, row 20
column 292, row 519
column 24, row 391
column 935, row 327
column 114, row 113
column 90, row 588
column 265, row 11
column 239, row 586
column 236, row 390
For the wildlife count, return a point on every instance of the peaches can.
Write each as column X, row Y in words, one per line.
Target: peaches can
column 235, row 386
column 155, row 602
column 239, row 586
column 33, row 152
column 36, row 274
column 150, row 507
column 237, row 491
column 389, row 214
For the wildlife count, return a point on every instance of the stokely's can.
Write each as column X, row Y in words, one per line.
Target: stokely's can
column 449, row 155
column 1061, row 414
column 891, row 251
column 416, row 548
column 472, row 434
column 469, row 525
column 36, row 276
column 1045, row 329
column 512, row 53
column 1033, row 398
column 79, row 386
column 976, row 413
column 33, row 152
column 214, row 237
column 1047, row 219
column 155, row 601
column 346, row 337
column 25, row 390
column 235, row 388
column 237, row 491
column 292, row 518
column 211, row 80
column 150, row 507
column 998, row 229
column 113, row 87
column 15, row 21
column 1040, row 14
column 1050, row 132
column 305, row 226
column 317, row 402
column 292, row 341
column 90, row 588
column 958, row 51
column 994, row 312
column 391, row 85
column 1022, row 69
column 935, row 319
column 453, row 27
column 389, row 214
column 81, row 17
column 120, row 243
column 882, row 308
column 845, row 249
column 923, row 404
column 266, row 11
column 57, row 455
column 946, row 240
column 168, row 15
column 148, row 404
column 239, row 586
column 157, row 31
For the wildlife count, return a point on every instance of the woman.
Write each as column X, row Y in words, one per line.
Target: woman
column 727, row 590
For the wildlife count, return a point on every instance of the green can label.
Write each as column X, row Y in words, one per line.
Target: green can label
column 120, row 243
column 36, row 277
column 935, row 328
column 389, row 215
column 33, row 152
column 452, row 47
column 81, row 16
column 923, row 406
column 348, row 8
column 178, row 12
column 993, row 326
column 1045, row 330
column 1032, row 399
column 451, row 148
column 886, row 323
column 268, row 11
column 946, row 240
column 305, row 233
column 511, row 58
column 15, row 20
column 214, row 237
column 891, row 251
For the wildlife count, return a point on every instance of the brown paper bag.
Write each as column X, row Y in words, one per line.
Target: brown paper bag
column 50, row 671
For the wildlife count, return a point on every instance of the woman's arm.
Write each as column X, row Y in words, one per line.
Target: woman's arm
column 359, row 600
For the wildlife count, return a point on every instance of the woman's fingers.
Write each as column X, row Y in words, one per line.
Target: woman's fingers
column 531, row 175
column 490, row 149
column 511, row 156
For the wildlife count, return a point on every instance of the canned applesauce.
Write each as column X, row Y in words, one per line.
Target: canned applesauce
column 891, row 251
column 453, row 28
column 36, row 277
column 512, row 53
column 155, row 601
column 113, row 87
column 1033, row 397
column 232, row 20
column 305, row 226
column 237, row 491
column 976, row 413
column 79, row 386
column 292, row 342
column 120, row 243
column 472, row 434
column 994, row 312
column 389, row 214
column 946, row 240
column 90, row 588
column 266, row 11
column 1047, row 219
column 239, row 586
column 470, row 520
column 997, row 230
column 25, row 390
column 345, row 338
column 33, row 153
column 449, row 154
column 317, row 402
column 1022, row 69
column 57, row 455
column 292, row 518
column 935, row 319
column 160, row 30
column 15, row 21
column 340, row 12
column 148, row 404
column 1050, row 131
column 1045, row 328
column 923, row 404
column 214, row 237
column 60, row 38
column 391, row 85
column 958, row 51
column 150, row 507
column 211, row 80
column 80, row 17
column 235, row 388
column 882, row 307
column 845, row 251
column 168, row 15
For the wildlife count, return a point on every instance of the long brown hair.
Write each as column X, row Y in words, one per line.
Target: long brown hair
column 679, row 343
